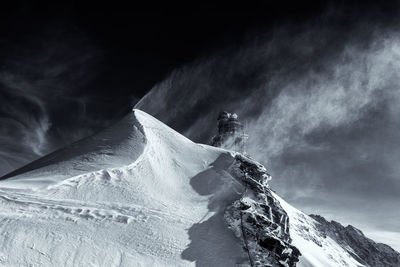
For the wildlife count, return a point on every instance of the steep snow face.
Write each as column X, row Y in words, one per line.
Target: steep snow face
column 150, row 197
column 316, row 248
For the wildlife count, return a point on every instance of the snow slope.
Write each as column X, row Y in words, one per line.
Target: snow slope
column 317, row 250
column 136, row 194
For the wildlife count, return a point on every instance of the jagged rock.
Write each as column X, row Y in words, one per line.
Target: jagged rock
column 250, row 172
column 363, row 249
column 258, row 218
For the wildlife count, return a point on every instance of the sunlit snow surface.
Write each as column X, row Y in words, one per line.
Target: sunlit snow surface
column 316, row 249
column 136, row 194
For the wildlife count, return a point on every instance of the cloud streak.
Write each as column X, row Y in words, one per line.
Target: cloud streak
column 41, row 79
column 31, row 124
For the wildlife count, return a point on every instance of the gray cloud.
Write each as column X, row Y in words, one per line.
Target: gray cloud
column 40, row 81
column 32, row 123
column 321, row 107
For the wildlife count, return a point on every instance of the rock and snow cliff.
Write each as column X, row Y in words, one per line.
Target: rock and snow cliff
column 141, row 194
column 258, row 219
column 358, row 245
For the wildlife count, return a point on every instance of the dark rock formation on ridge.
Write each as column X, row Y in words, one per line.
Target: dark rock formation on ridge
column 258, row 219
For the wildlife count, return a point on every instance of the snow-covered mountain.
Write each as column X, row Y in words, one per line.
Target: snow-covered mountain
column 141, row 194
column 363, row 249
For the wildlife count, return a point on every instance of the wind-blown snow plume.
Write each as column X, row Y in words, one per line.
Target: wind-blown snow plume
column 345, row 92
column 320, row 107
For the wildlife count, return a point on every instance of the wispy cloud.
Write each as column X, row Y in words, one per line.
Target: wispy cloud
column 321, row 108
column 40, row 83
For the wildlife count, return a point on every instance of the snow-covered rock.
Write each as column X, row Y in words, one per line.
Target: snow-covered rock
column 316, row 248
column 258, row 219
column 357, row 244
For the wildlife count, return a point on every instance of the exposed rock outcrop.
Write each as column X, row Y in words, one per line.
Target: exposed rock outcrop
column 258, row 218
column 363, row 249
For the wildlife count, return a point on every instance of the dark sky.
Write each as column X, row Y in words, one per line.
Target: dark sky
column 68, row 69
column 314, row 81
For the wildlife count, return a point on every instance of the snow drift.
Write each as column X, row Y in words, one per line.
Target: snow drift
column 141, row 194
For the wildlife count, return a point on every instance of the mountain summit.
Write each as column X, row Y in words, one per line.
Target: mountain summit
column 141, row 194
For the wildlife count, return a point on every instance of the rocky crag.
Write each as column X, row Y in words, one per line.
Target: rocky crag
column 363, row 249
column 258, row 219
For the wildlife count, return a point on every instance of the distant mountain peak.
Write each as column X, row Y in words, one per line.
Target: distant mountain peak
column 362, row 248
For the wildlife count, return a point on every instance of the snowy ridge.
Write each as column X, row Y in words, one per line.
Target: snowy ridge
column 116, row 146
column 363, row 249
column 140, row 194
column 317, row 250
column 147, row 212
